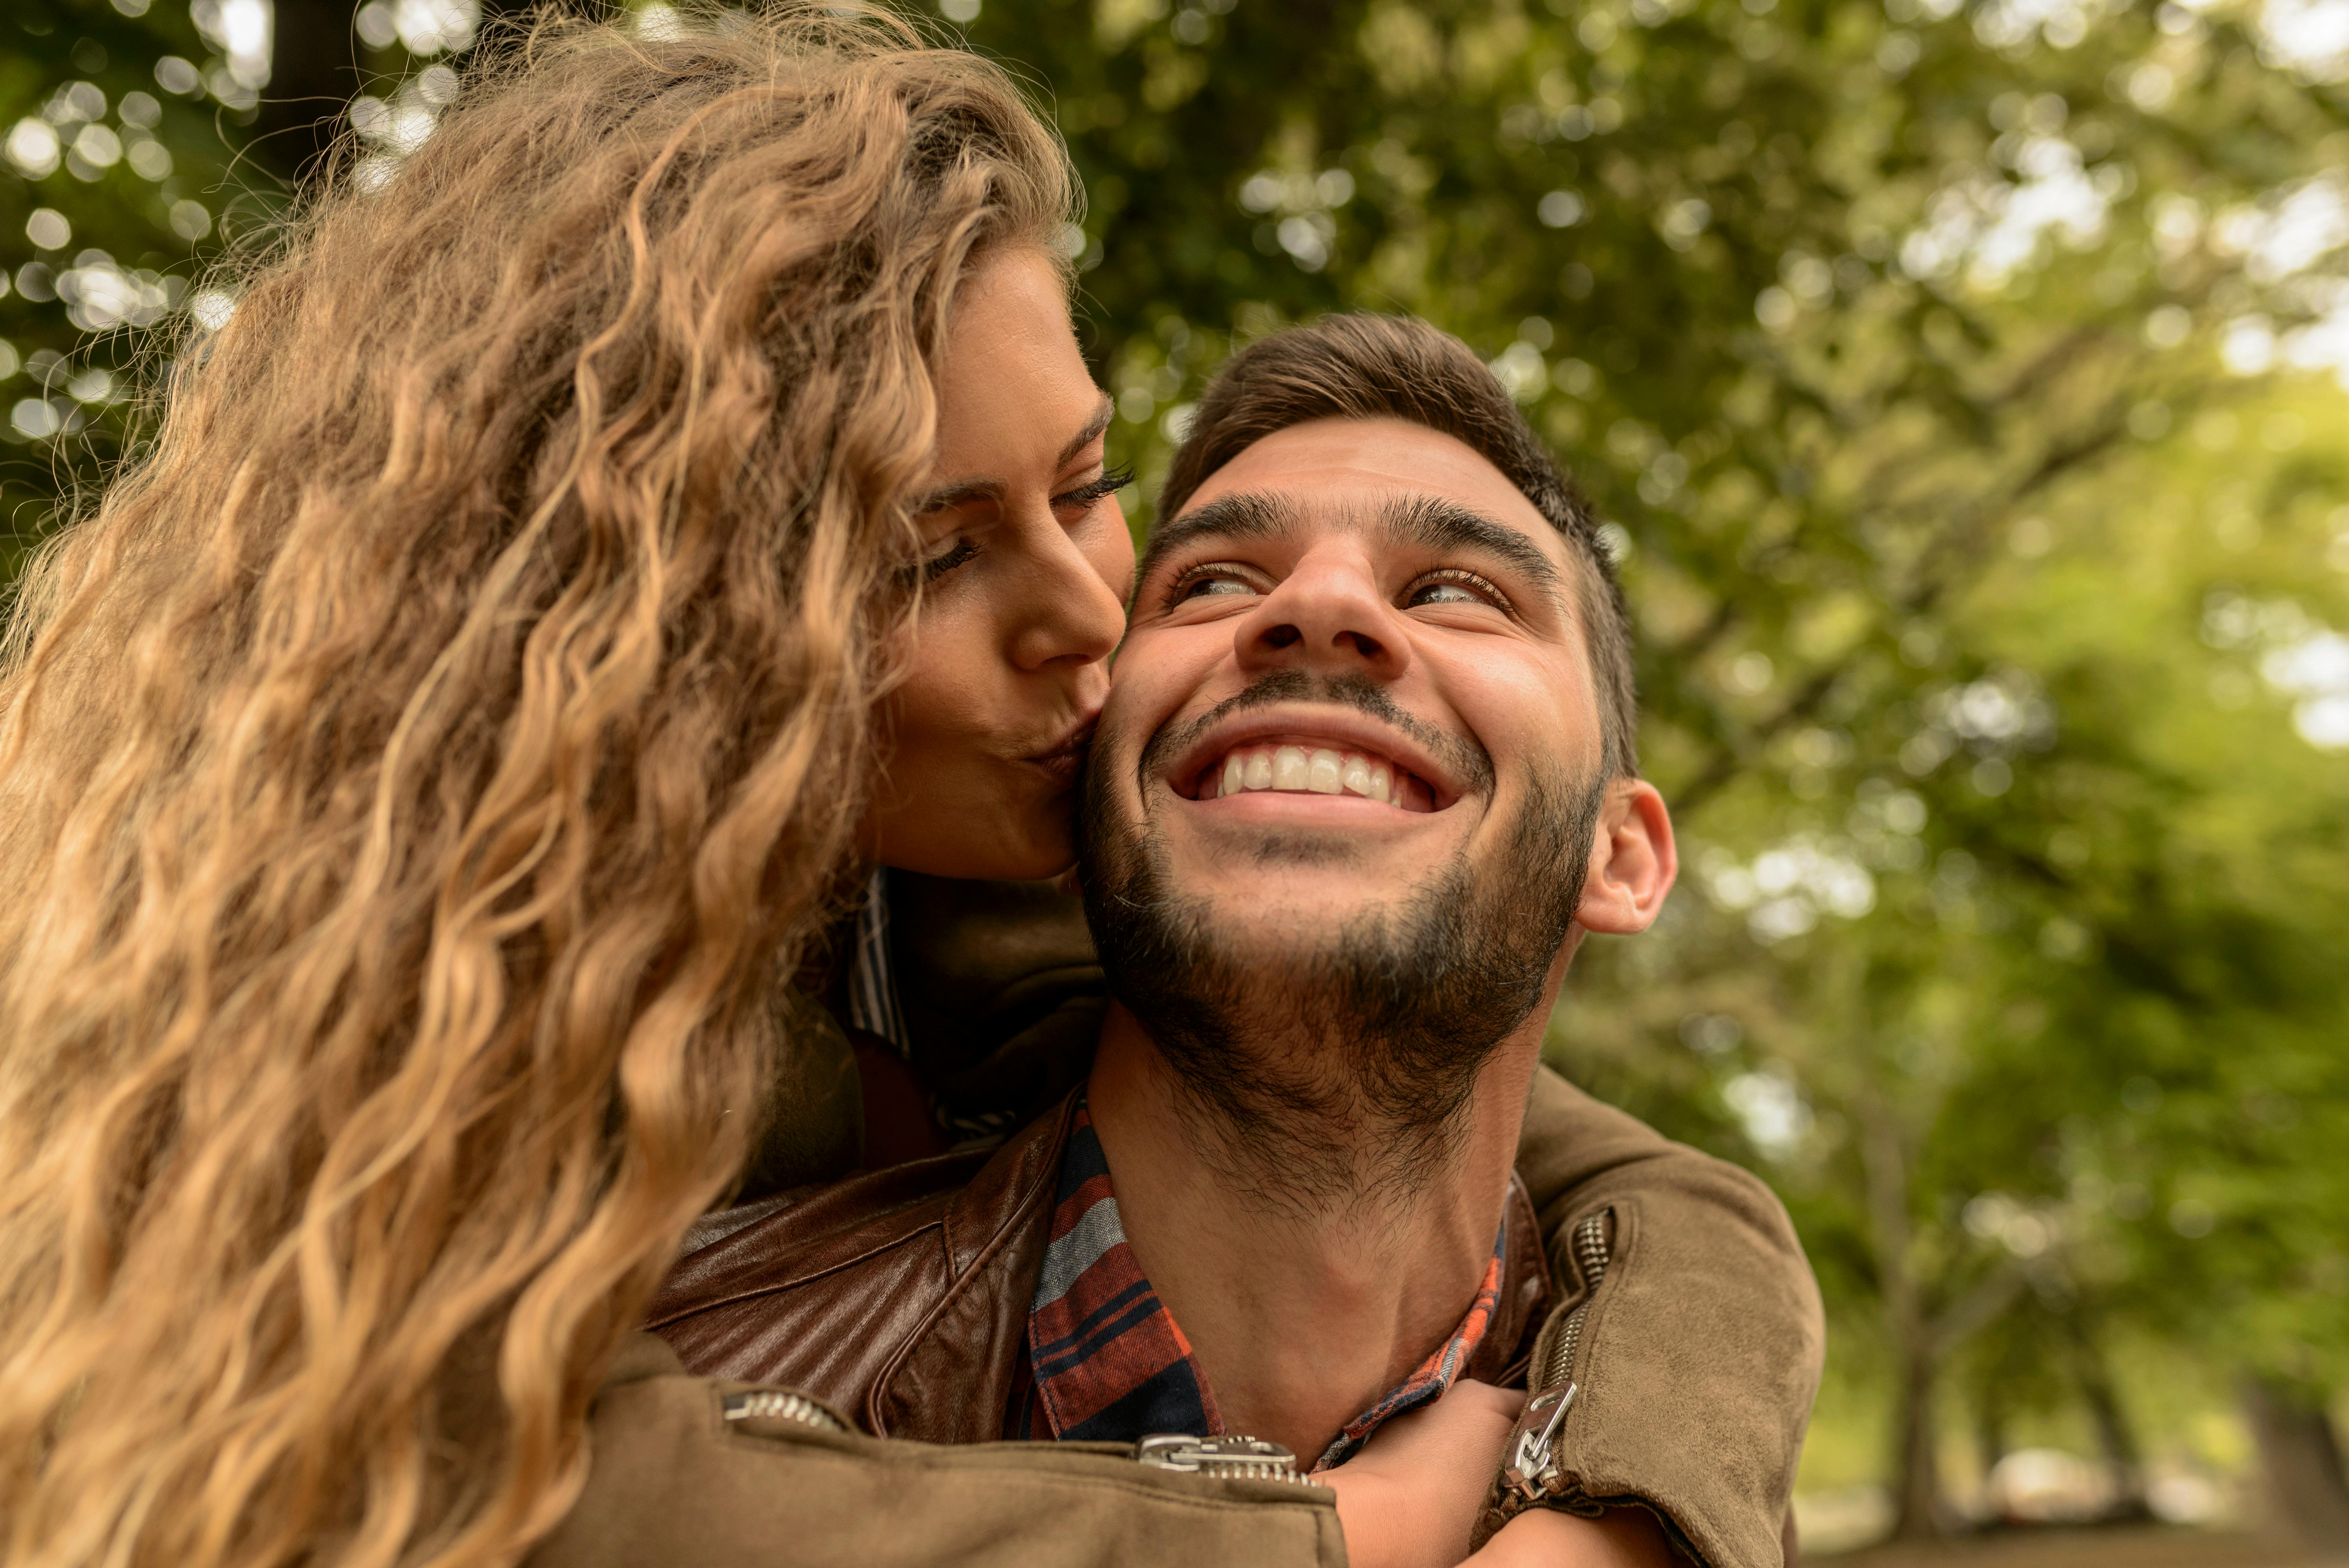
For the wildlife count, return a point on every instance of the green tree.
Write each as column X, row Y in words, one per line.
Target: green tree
column 143, row 137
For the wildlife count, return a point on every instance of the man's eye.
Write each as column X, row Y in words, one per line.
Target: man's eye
column 1204, row 587
column 1452, row 591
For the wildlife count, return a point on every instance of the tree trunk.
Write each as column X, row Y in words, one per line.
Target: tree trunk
column 312, row 73
column 1916, row 1495
column 2300, row 1456
column 1919, row 1515
column 2124, row 1464
column 1989, row 1436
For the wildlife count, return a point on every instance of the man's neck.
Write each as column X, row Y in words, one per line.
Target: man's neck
column 1303, row 1316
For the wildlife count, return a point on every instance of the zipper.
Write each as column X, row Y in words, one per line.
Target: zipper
column 1236, row 1457
column 780, row 1404
column 1531, row 1469
column 1591, row 1255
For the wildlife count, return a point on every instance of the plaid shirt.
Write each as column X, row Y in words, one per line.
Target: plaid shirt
column 1107, row 1362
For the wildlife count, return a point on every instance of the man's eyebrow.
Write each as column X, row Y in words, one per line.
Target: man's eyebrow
column 1440, row 524
column 1239, row 516
column 962, row 490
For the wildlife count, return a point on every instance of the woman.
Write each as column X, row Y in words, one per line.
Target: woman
column 428, row 767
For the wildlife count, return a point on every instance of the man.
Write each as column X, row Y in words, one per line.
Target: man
column 1365, row 779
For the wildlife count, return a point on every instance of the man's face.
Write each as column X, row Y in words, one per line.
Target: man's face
column 1351, row 758
column 1413, row 620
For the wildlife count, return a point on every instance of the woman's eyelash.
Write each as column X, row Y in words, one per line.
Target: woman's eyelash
column 1111, row 481
column 937, row 566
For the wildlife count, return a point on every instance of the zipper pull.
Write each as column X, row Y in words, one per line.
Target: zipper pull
column 1221, row 1459
column 1532, row 1464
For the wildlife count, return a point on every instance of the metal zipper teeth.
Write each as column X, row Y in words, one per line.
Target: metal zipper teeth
column 1284, row 1471
column 1591, row 1256
column 770, row 1404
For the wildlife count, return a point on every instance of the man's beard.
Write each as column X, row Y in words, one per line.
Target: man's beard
column 1324, row 1072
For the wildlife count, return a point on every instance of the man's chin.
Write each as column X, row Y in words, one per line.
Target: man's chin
column 1277, row 928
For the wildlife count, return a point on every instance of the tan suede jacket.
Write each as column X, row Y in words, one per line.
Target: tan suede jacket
column 677, row 1482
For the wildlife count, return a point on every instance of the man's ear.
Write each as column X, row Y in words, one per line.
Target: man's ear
column 1632, row 861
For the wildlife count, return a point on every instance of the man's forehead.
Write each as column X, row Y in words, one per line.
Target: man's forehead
column 1328, row 467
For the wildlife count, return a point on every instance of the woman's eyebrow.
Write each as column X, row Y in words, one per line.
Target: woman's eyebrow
column 958, row 494
column 1091, row 433
column 960, row 491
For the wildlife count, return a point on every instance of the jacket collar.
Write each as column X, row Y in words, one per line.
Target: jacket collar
column 950, row 1379
column 812, row 1295
column 995, row 1234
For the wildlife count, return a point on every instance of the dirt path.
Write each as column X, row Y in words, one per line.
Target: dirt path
column 2147, row 1547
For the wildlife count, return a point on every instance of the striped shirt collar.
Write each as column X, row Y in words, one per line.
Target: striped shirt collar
column 873, row 1003
column 1106, row 1361
column 876, row 1006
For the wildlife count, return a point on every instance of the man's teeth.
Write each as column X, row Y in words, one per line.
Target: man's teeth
column 1318, row 771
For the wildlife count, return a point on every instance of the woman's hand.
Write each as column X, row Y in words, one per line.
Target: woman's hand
column 1541, row 1538
column 1408, row 1499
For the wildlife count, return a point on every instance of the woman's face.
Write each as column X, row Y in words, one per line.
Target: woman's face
column 1026, row 563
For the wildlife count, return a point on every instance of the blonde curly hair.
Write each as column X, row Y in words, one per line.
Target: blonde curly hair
column 418, row 770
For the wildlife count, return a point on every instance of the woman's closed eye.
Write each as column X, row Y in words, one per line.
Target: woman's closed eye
column 954, row 554
column 1092, row 492
column 958, row 551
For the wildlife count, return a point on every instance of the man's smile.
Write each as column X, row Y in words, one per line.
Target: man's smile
column 1297, row 766
column 1335, row 756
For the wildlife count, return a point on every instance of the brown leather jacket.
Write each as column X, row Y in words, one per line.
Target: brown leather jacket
column 901, row 1297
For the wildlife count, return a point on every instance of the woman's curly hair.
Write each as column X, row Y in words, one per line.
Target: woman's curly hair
column 417, row 769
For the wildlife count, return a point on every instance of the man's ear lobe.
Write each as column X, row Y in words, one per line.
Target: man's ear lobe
column 1632, row 861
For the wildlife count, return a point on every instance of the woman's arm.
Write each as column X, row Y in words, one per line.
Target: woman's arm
column 1700, row 1348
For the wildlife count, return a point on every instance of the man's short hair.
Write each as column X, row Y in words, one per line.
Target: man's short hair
column 1374, row 366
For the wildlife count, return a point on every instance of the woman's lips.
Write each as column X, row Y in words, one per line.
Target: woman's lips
column 1065, row 760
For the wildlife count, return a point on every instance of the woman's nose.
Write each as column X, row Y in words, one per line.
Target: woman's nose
column 1326, row 615
column 1073, row 615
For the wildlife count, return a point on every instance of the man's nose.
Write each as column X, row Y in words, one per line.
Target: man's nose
column 1329, row 616
column 1074, row 617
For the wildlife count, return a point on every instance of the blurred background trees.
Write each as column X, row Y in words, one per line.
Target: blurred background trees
column 1961, row 380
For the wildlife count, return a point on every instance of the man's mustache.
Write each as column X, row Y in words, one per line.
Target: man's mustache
column 1467, row 761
